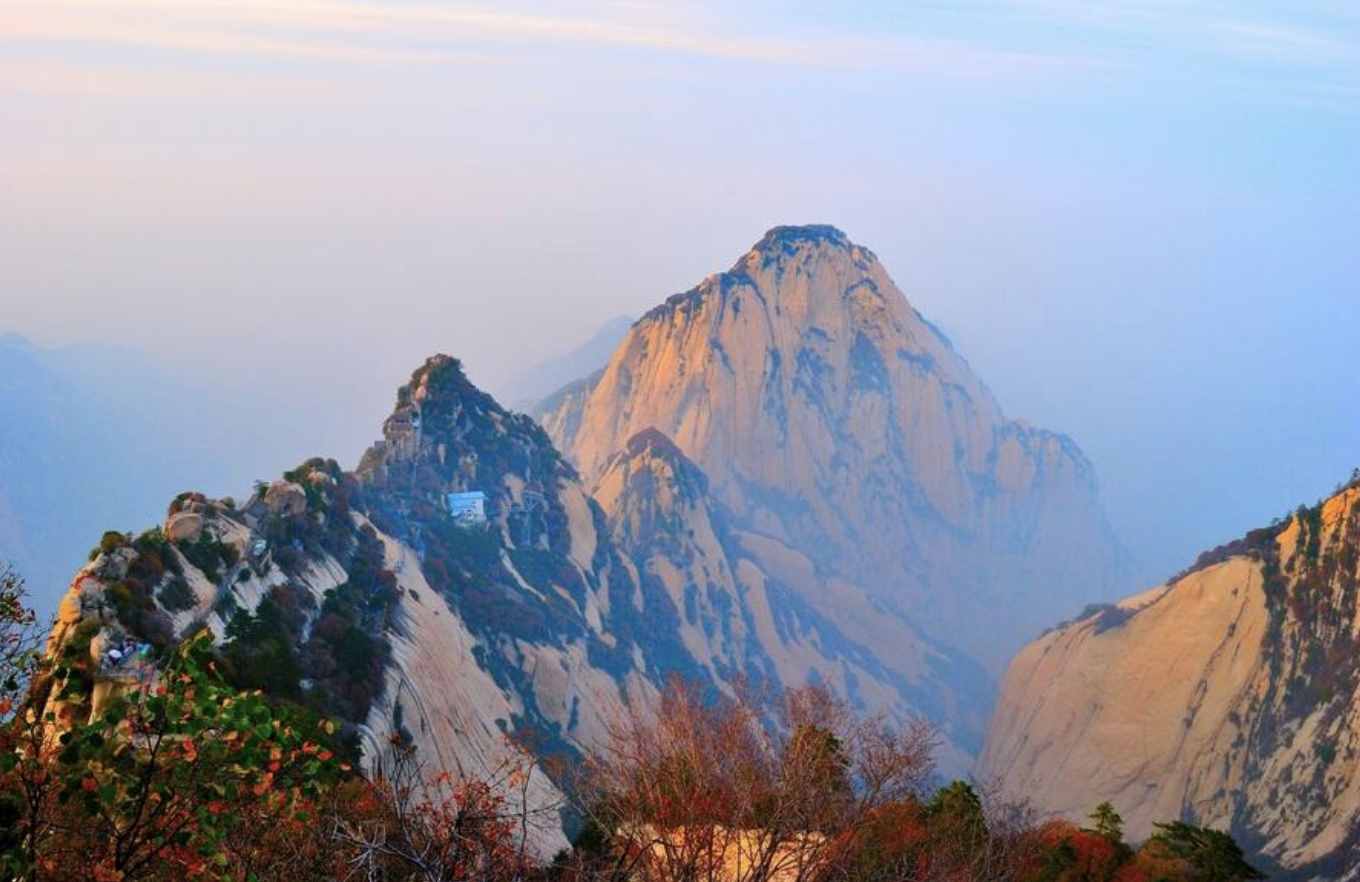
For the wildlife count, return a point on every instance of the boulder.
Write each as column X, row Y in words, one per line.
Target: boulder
column 186, row 502
column 184, row 527
column 285, row 497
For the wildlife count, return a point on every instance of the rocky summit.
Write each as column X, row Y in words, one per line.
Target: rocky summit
column 833, row 419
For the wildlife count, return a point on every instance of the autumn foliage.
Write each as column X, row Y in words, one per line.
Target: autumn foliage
column 713, row 791
column 185, row 777
column 167, row 781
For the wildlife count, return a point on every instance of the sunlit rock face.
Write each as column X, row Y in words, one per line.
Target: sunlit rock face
column 832, row 418
column 1228, row 696
column 737, row 614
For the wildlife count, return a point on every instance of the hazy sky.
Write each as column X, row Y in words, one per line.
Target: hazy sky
column 1139, row 220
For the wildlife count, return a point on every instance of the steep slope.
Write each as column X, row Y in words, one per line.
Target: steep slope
column 833, row 418
column 560, row 413
column 358, row 593
column 738, row 617
column 1230, row 696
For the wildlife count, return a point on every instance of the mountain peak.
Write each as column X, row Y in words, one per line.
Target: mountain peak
column 447, row 435
column 652, row 439
column 828, row 414
column 780, row 249
column 799, row 242
column 788, row 236
column 651, row 447
column 440, row 384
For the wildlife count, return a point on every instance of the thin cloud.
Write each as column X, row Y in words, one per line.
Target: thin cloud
column 1122, row 39
column 1224, row 30
column 340, row 30
column 53, row 27
column 1295, row 45
column 55, row 77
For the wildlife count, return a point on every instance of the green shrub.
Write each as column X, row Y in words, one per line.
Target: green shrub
column 226, row 606
column 176, row 595
column 261, row 648
column 345, row 656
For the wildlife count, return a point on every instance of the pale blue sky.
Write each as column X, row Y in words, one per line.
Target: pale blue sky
column 1138, row 219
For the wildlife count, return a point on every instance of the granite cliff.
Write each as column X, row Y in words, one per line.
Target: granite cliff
column 1229, row 696
column 833, row 419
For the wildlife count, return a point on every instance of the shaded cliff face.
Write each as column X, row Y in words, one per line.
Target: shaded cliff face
column 358, row 595
column 1230, row 696
column 833, row 418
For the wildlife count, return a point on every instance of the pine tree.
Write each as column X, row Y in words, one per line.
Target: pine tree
column 1107, row 822
column 1214, row 855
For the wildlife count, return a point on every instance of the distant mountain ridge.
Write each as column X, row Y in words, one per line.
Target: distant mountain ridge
column 107, row 416
column 832, row 417
column 543, row 379
column 55, row 443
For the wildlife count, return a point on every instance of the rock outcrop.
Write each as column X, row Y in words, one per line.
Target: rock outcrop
column 833, row 419
column 285, row 497
column 185, row 526
column 1229, row 696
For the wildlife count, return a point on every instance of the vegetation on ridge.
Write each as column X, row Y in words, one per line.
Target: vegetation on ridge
column 184, row 776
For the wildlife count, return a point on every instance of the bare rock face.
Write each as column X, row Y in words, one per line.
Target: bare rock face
column 285, row 497
column 831, row 417
column 733, row 610
column 184, row 526
column 560, row 413
column 1230, row 696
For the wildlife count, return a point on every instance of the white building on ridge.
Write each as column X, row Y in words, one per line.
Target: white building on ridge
column 467, row 508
